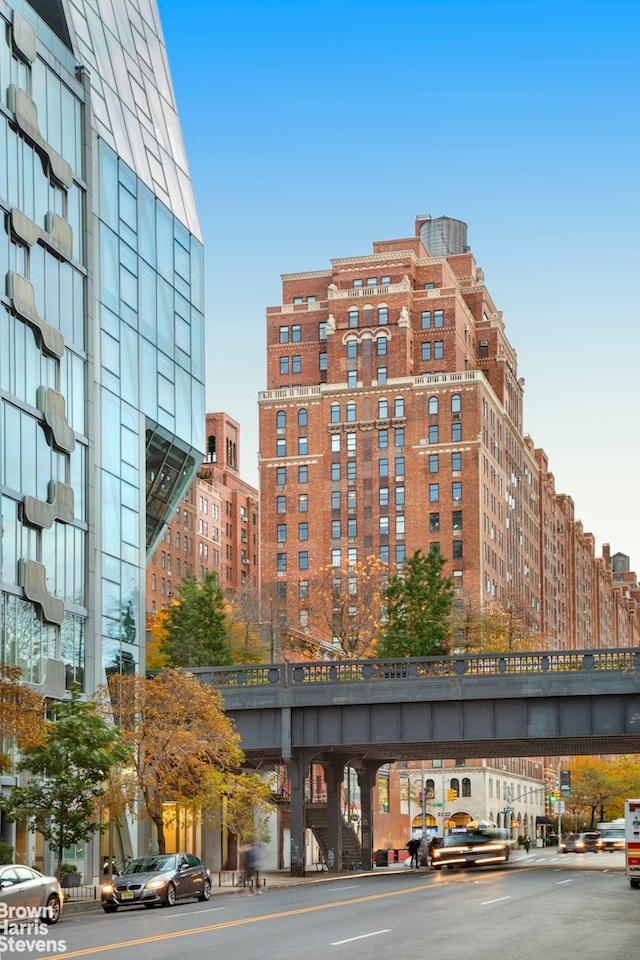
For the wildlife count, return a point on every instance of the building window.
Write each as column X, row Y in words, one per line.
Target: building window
column 381, row 374
column 296, row 332
column 352, row 349
column 383, row 467
column 303, row 531
column 433, row 405
column 322, row 361
column 399, row 436
column 303, row 560
column 456, row 432
column 335, row 443
column 466, row 787
column 351, row 412
column 284, row 365
column 372, row 281
column 400, row 525
column 434, row 463
column 352, row 499
column 438, row 318
column 456, row 462
column 303, row 589
column 352, row 468
column 353, row 318
column 322, row 330
column 456, row 521
column 281, row 420
column 281, row 476
column 297, row 300
column 335, row 471
column 303, row 446
column 455, row 403
column 303, row 503
column 352, row 378
column 352, row 527
column 335, row 557
column 381, row 346
column 281, row 447
column 335, row 413
column 303, row 474
column 425, row 319
column 400, row 553
column 303, row 417
column 456, row 549
column 383, row 438
column 399, row 467
column 455, row 785
column 383, row 409
column 483, row 351
column 281, row 562
column 425, row 353
column 384, row 554
column 281, row 504
column 296, row 363
column 456, row 490
column 434, row 492
column 429, row 286
column 384, row 281
column 398, row 407
column 336, row 529
column 284, row 335
column 383, row 496
column 351, row 443
column 383, row 316
column 335, row 500
column 438, row 350
column 357, row 283
column 434, row 522
column 433, row 433
column 399, row 496
column 383, row 526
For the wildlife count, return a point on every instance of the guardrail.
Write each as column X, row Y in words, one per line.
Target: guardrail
column 359, row 671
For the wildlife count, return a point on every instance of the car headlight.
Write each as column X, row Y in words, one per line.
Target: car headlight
column 155, row 884
column 108, row 888
column 580, row 846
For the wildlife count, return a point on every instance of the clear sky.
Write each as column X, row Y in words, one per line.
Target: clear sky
column 314, row 128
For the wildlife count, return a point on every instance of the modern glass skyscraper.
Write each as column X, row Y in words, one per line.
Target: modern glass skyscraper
column 101, row 331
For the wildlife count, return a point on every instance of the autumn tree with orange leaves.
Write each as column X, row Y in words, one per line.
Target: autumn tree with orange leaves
column 184, row 751
column 22, row 713
column 345, row 603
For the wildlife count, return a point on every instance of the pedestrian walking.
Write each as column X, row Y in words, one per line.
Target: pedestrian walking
column 527, row 843
column 413, row 846
column 251, row 869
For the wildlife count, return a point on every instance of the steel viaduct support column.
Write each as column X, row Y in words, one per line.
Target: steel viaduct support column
column 298, row 767
column 367, row 771
column 334, row 778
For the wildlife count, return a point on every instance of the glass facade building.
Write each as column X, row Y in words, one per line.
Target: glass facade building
column 101, row 332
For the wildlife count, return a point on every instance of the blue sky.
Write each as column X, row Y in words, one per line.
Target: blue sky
column 313, row 129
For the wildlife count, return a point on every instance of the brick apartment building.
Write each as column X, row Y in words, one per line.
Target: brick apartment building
column 392, row 420
column 215, row 528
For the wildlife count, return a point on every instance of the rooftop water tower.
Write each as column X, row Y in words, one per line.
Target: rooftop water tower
column 444, row 236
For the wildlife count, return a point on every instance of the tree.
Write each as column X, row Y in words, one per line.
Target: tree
column 22, row 719
column 502, row 627
column 184, row 751
column 346, row 604
column 418, row 608
column 599, row 786
column 194, row 628
column 244, row 631
column 68, row 771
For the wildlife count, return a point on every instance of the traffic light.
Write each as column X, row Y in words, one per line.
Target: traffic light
column 452, row 794
column 552, row 798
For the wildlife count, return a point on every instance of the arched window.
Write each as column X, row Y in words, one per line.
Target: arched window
column 302, row 417
column 398, row 407
column 466, row 787
column 211, row 449
column 383, row 409
column 353, row 318
column 455, row 403
column 433, row 404
column 430, row 788
column 455, row 785
column 281, row 420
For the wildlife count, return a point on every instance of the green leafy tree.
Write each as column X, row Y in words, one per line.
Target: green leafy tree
column 418, row 607
column 194, row 629
column 69, row 773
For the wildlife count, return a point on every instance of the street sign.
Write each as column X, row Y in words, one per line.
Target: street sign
column 437, row 804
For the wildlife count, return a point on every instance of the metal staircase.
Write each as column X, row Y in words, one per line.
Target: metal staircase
column 316, row 819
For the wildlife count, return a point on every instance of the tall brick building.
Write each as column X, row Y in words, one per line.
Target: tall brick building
column 392, row 420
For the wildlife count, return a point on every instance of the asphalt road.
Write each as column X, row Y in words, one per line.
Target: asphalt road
column 574, row 906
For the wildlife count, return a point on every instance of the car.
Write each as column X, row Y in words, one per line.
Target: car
column 611, row 840
column 158, row 880
column 23, row 887
column 469, row 850
column 580, row 842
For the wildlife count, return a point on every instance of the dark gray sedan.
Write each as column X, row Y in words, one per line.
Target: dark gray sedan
column 159, row 880
column 21, row 887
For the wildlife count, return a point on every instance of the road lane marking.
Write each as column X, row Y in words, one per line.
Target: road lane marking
column 497, row 900
column 363, row 936
column 558, row 882
column 188, row 913
column 228, row 924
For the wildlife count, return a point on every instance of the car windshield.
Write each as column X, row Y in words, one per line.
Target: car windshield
column 158, row 864
column 467, row 838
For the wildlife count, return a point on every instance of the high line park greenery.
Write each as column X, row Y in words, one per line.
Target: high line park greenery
column 68, row 769
column 183, row 751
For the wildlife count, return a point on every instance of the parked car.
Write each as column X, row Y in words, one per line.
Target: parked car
column 580, row 842
column 21, row 886
column 469, row 850
column 162, row 879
